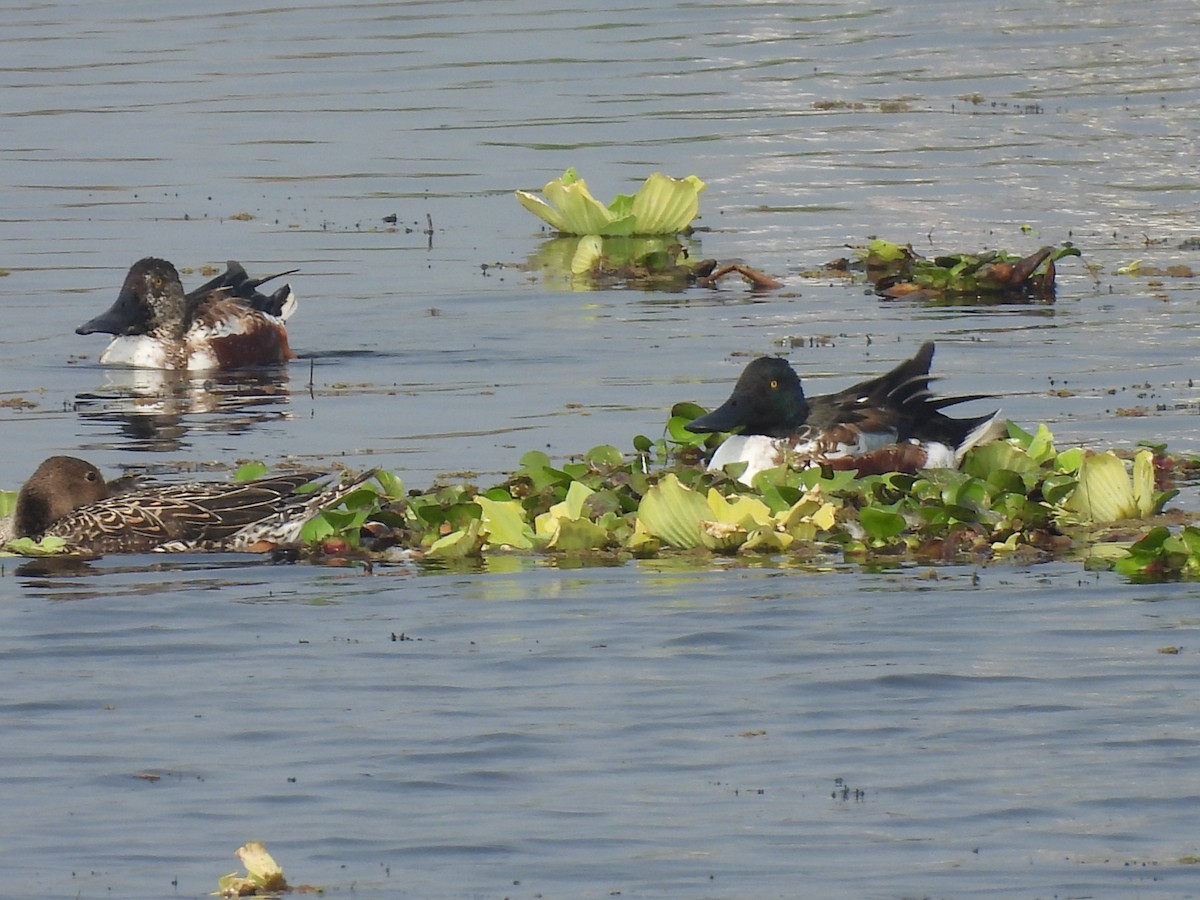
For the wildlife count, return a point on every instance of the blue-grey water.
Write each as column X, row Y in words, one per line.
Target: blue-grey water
column 661, row 728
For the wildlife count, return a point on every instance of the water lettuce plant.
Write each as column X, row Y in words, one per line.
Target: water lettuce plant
column 663, row 205
column 263, row 878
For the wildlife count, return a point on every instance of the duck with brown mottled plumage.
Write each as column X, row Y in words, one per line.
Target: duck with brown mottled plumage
column 68, row 498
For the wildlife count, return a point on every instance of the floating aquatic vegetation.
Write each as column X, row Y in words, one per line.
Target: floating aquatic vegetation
column 263, row 876
column 1163, row 554
column 1018, row 498
column 592, row 262
column 663, row 205
column 898, row 271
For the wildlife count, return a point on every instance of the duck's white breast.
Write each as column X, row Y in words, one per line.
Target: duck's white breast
column 139, row 350
column 757, row 451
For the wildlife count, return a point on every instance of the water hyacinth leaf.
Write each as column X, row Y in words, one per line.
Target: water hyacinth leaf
column 1163, row 554
column 1009, row 481
column 678, row 433
column 391, row 486
column 47, row 546
column 881, row 524
column 1057, row 488
column 316, row 529
column 572, row 506
column 504, row 523
column 1041, row 445
column 249, row 471
column 880, row 251
column 577, row 535
column 673, row 513
column 548, row 526
column 972, row 494
column 687, row 410
column 458, row 544
column 8, row 503
column 536, row 467
column 1070, row 460
column 999, row 456
column 604, row 455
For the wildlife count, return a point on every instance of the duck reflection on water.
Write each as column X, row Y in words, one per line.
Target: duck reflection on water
column 155, row 409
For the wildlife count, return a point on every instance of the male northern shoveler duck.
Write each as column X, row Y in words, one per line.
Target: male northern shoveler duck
column 223, row 324
column 68, row 498
column 892, row 423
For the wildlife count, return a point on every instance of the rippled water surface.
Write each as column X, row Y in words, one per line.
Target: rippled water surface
column 662, row 728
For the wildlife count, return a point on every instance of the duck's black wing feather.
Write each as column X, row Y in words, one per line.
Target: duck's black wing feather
column 236, row 282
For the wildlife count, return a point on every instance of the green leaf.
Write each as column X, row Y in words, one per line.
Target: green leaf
column 459, row 544
column 663, row 205
column 588, row 252
column 504, row 523
column 604, row 456
column 1143, row 484
column 886, row 251
column 576, row 535
column 263, row 875
column 249, row 471
column 1105, row 492
column 881, row 524
column 47, row 546
column 673, row 513
column 666, row 205
column 391, row 486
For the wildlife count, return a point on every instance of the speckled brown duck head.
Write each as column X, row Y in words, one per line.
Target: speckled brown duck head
column 59, row 486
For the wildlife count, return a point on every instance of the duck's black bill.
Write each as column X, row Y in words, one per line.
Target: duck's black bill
column 119, row 319
column 723, row 418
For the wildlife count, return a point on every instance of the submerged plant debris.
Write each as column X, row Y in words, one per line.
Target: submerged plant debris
column 640, row 263
column 897, row 270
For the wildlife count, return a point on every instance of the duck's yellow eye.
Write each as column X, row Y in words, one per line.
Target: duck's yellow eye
column 774, row 384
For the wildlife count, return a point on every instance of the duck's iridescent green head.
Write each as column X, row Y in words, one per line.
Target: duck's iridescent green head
column 767, row 400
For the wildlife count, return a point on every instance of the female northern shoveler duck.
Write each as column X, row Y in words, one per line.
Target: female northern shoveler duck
column 223, row 324
column 892, row 423
column 69, row 498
